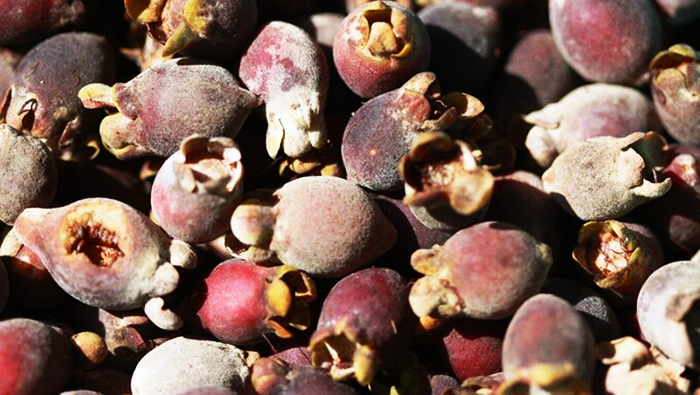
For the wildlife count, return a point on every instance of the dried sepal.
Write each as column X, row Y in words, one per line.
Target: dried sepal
column 288, row 296
column 445, row 186
column 633, row 368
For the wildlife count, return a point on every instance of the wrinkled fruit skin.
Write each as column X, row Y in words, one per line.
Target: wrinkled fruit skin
column 367, row 321
column 28, row 173
column 28, row 22
column 34, row 358
column 605, row 177
column 240, row 302
column 288, row 70
column 197, row 188
column 161, row 106
column 669, row 312
column 185, row 363
column 42, row 99
column 607, row 41
column 548, row 343
column 485, row 271
column 675, row 88
column 105, row 253
column 379, row 46
column 324, row 226
column 591, row 110
column 205, row 29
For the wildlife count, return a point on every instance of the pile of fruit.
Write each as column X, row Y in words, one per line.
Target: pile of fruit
column 217, row 197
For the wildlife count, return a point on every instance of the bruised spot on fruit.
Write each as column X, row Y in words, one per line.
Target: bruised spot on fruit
column 89, row 237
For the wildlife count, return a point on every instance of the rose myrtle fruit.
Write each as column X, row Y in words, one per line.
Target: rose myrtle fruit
column 108, row 255
column 324, row 226
column 620, row 256
column 485, row 271
column 384, row 128
column 365, row 323
column 464, row 59
column 161, row 106
column 272, row 376
column 288, row 70
column 206, row 29
column 379, row 46
column 675, row 88
column 4, row 286
column 597, row 312
column 28, row 173
column 446, row 188
column 534, row 75
column 208, row 390
column 607, row 41
column 42, row 99
column 239, row 302
column 197, row 188
column 668, row 310
column 35, row 358
column 28, row 22
column 548, row 348
column 184, row 363
column 519, row 199
column 607, row 177
column 588, row 111
column 464, row 347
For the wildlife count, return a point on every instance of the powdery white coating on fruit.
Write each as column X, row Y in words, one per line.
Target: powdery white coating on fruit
column 607, row 41
column 35, row 358
column 28, row 173
column 138, row 266
column 546, row 329
column 668, row 313
column 601, row 178
column 328, row 227
column 288, row 70
column 170, row 101
column 197, row 188
column 589, row 111
column 184, row 363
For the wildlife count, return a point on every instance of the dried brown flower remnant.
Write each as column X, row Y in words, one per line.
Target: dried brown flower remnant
column 606, row 177
column 107, row 255
column 675, row 88
column 619, row 255
column 445, row 186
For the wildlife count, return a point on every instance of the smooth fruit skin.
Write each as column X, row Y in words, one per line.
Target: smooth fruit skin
column 34, row 358
column 607, row 41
